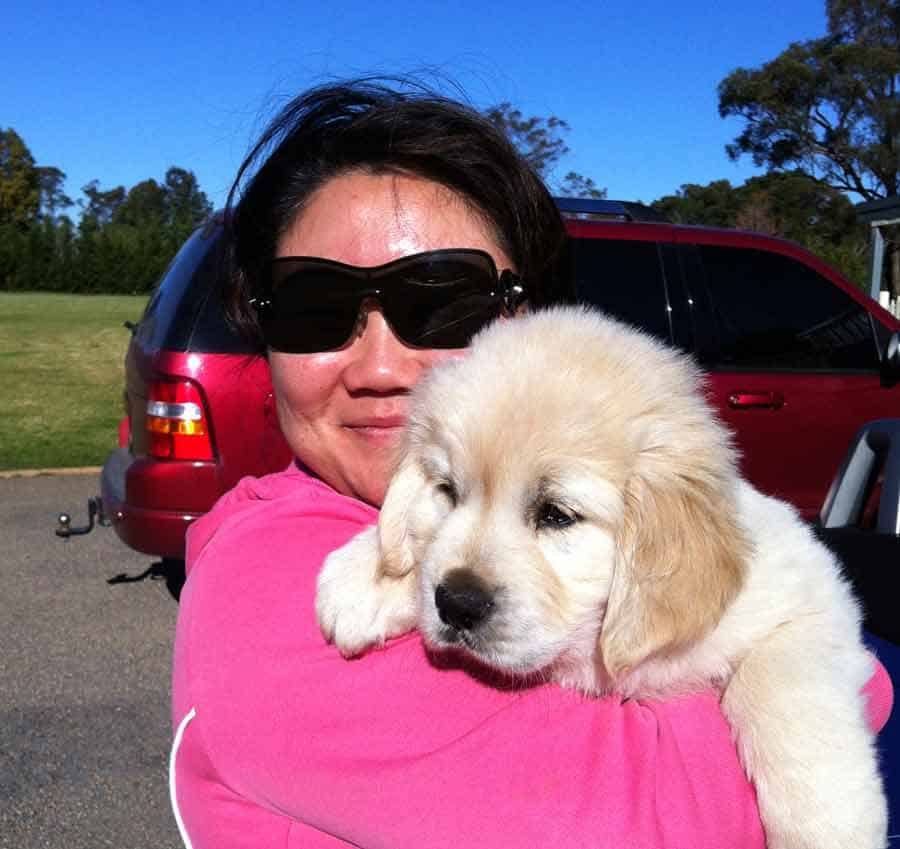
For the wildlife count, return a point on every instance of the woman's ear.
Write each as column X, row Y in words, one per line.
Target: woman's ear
column 399, row 549
column 681, row 559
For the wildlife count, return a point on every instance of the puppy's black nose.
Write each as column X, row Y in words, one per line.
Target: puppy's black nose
column 462, row 600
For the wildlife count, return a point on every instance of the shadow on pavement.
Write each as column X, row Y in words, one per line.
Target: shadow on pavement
column 169, row 570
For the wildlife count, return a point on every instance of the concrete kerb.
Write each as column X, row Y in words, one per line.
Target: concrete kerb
column 34, row 473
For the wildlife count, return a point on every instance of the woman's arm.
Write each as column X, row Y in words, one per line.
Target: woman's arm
column 391, row 750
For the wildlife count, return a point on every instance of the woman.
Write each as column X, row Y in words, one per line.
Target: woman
column 372, row 241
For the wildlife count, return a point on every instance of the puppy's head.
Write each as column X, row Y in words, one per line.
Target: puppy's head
column 569, row 499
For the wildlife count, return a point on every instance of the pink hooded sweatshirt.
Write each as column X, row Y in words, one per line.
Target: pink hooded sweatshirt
column 280, row 742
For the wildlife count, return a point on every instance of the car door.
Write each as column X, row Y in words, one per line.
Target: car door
column 793, row 362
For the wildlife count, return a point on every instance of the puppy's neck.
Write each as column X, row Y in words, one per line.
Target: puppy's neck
column 582, row 671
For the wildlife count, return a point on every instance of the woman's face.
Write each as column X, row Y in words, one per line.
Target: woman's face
column 343, row 411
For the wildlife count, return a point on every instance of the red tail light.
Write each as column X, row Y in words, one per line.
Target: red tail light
column 177, row 422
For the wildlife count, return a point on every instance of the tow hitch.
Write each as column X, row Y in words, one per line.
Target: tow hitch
column 95, row 512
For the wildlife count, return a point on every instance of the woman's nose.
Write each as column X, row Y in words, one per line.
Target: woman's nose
column 379, row 362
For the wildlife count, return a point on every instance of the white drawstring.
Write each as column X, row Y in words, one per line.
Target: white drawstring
column 179, row 733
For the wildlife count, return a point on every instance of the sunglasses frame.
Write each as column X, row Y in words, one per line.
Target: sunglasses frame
column 506, row 286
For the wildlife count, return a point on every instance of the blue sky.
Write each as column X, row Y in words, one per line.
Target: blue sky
column 120, row 91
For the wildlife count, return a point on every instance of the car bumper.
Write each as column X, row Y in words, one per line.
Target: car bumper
column 131, row 485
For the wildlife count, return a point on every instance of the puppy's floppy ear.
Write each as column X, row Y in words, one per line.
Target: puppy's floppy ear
column 399, row 549
column 681, row 559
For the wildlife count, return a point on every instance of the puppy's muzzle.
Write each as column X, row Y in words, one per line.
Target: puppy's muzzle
column 462, row 600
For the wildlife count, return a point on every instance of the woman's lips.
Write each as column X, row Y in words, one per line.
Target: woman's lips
column 377, row 429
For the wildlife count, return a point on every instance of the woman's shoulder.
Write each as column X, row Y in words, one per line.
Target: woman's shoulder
column 291, row 502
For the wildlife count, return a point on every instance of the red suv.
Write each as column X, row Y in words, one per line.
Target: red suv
column 797, row 360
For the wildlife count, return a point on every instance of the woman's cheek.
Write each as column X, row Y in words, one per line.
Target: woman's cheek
column 304, row 380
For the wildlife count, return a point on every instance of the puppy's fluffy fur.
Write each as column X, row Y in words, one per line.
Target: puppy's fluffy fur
column 568, row 475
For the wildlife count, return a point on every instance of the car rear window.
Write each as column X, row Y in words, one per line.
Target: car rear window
column 185, row 311
column 775, row 312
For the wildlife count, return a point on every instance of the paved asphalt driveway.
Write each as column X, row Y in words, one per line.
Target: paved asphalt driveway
column 84, row 680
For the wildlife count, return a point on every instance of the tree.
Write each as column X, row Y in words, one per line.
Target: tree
column 715, row 205
column 537, row 139
column 804, row 209
column 19, row 188
column 53, row 199
column 101, row 206
column 829, row 105
column 756, row 214
column 576, row 186
column 870, row 22
column 145, row 206
column 540, row 141
column 187, row 205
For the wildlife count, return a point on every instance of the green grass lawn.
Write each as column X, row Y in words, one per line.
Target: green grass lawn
column 61, row 377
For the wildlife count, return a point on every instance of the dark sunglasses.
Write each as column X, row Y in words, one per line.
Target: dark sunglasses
column 437, row 299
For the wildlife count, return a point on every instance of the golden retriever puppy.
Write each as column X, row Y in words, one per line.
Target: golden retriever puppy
column 566, row 505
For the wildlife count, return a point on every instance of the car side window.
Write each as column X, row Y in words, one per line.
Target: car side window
column 625, row 279
column 774, row 312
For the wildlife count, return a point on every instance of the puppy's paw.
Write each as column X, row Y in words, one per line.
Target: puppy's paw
column 355, row 606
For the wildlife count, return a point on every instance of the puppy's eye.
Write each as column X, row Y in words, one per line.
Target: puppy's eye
column 552, row 516
column 447, row 489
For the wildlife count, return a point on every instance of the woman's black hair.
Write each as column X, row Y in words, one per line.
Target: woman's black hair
column 368, row 125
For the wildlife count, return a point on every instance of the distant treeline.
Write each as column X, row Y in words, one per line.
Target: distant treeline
column 123, row 240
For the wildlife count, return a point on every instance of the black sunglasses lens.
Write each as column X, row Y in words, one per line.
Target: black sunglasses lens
column 442, row 303
column 312, row 310
column 447, row 324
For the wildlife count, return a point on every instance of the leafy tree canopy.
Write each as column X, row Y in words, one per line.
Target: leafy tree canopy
column 145, row 205
column 100, row 206
column 715, row 204
column 187, row 204
column 796, row 203
column 19, row 186
column 828, row 106
column 537, row 139
column 53, row 198
column 540, row 141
